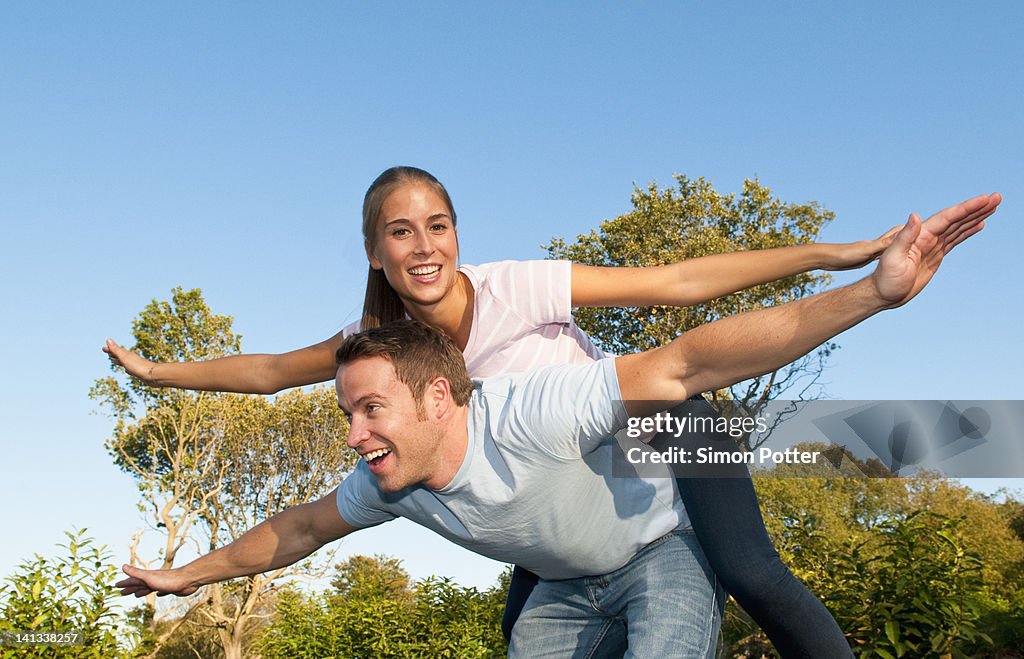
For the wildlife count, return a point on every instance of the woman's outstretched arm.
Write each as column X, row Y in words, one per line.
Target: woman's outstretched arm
column 246, row 374
column 708, row 277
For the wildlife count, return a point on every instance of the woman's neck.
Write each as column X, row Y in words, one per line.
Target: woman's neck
column 453, row 314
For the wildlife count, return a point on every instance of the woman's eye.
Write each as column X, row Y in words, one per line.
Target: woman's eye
column 438, row 228
column 400, row 233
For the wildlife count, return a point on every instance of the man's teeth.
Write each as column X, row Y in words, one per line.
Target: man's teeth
column 424, row 270
column 373, row 455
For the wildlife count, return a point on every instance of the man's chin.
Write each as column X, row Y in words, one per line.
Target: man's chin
column 390, row 485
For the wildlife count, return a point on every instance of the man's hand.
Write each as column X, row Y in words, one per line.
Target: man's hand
column 909, row 263
column 162, row 582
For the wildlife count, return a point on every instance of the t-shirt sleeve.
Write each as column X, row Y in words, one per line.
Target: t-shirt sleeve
column 570, row 410
column 358, row 499
column 351, row 328
column 539, row 291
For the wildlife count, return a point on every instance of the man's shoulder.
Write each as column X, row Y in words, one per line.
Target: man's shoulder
column 563, row 407
column 548, row 380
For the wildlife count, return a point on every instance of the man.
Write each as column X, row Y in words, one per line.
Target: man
column 517, row 467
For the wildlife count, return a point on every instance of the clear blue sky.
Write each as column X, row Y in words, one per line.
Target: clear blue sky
column 227, row 146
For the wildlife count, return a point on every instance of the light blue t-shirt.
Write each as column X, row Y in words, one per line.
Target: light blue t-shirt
column 536, row 486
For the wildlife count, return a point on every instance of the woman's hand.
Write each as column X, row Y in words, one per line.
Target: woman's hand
column 849, row 256
column 134, row 365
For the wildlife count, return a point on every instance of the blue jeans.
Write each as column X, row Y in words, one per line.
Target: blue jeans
column 666, row 602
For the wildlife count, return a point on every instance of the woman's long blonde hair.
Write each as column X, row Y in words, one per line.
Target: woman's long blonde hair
column 382, row 304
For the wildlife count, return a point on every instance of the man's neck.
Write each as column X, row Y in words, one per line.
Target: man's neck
column 452, row 449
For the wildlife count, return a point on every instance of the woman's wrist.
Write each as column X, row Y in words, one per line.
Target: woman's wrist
column 830, row 255
column 155, row 374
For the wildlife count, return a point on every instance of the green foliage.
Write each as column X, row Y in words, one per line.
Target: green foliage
column 70, row 592
column 182, row 329
column 210, row 466
column 924, row 560
column 362, row 577
column 1002, row 620
column 193, row 636
column 685, row 222
column 373, row 611
column 914, row 582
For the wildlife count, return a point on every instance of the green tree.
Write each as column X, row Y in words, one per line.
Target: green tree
column 72, row 592
column 362, row 577
column 209, row 466
column 690, row 220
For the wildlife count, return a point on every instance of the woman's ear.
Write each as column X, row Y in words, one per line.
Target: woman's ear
column 371, row 257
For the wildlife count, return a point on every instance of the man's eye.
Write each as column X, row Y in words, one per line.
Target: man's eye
column 370, row 409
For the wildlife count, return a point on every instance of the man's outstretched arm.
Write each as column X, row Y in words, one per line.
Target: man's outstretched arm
column 285, row 538
column 746, row 345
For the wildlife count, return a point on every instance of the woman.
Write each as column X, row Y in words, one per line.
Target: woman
column 514, row 316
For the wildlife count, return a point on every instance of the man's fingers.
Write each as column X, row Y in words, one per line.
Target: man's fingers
column 137, row 589
column 132, row 585
column 964, row 236
column 984, row 211
column 904, row 240
column 954, row 237
column 137, row 592
column 951, row 236
column 987, row 209
column 939, row 222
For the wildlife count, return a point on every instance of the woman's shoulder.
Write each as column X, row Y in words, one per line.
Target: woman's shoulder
column 511, row 275
column 354, row 327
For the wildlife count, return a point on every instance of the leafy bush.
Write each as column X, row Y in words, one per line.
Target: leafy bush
column 375, row 612
column 911, row 591
column 72, row 592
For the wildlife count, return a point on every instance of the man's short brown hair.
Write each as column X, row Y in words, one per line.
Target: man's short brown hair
column 418, row 352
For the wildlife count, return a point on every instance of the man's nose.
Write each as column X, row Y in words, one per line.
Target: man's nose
column 357, row 434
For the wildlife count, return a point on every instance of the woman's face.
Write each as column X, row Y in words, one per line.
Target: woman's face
column 415, row 244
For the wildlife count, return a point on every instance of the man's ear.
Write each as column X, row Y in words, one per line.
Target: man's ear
column 439, row 397
column 371, row 257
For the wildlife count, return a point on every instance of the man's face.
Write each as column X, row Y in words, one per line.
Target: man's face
column 393, row 432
